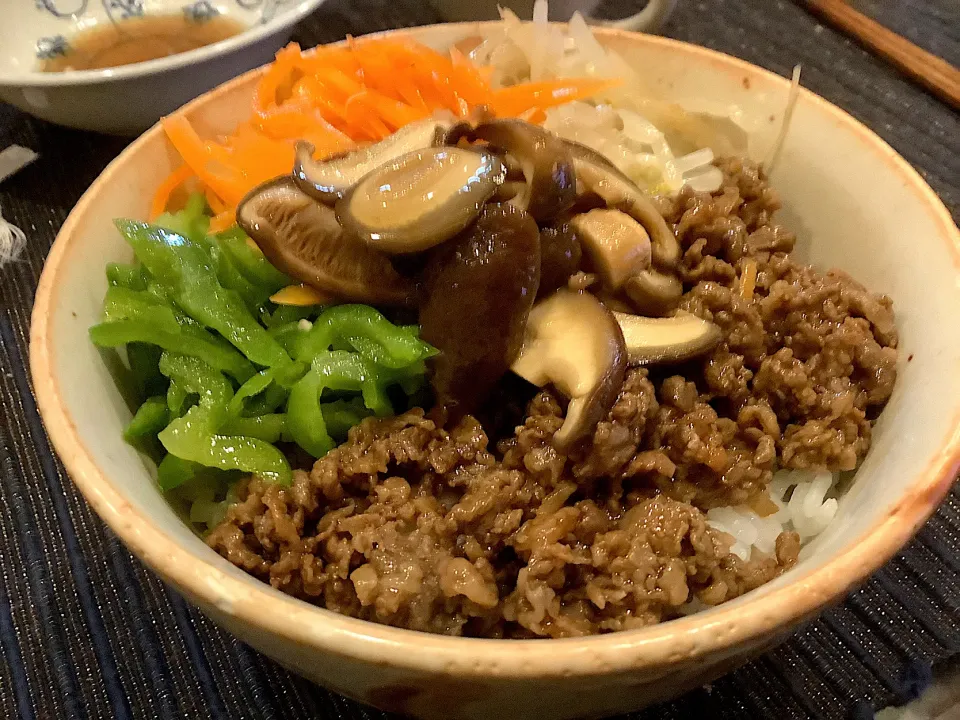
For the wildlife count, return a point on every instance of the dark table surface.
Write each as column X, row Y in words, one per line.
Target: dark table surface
column 87, row 632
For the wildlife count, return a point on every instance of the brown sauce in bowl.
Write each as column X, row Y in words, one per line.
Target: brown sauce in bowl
column 138, row 40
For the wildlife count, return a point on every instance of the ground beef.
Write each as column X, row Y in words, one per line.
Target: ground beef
column 422, row 527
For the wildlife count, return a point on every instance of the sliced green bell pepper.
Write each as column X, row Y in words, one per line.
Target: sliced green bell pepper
column 251, row 262
column 365, row 330
column 334, row 370
column 128, row 276
column 197, row 435
column 185, row 268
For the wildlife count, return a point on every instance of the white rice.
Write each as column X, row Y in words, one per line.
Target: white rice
column 806, row 506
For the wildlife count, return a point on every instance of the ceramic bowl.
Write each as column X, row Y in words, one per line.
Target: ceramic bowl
column 127, row 100
column 855, row 204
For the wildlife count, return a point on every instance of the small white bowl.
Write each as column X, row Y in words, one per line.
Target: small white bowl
column 128, row 99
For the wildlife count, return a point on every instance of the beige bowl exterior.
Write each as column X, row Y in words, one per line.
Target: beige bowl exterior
column 856, row 205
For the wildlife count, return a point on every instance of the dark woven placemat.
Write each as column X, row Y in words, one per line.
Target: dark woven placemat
column 87, row 632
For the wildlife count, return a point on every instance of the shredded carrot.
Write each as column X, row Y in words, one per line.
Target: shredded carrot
column 162, row 196
column 748, row 279
column 301, row 295
column 215, row 203
column 335, row 97
column 223, row 221
column 512, row 101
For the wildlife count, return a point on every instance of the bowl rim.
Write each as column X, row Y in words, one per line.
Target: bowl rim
column 255, row 604
column 148, row 68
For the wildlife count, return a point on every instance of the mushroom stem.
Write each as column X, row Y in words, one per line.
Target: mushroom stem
column 620, row 193
column 616, row 245
column 653, row 293
column 663, row 340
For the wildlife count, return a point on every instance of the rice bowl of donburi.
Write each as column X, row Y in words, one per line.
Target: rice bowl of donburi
column 511, row 353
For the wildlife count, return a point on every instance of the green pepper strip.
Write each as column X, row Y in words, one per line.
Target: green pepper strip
column 173, row 472
column 341, row 415
column 231, row 278
column 335, row 370
column 192, row 222
column 150, row 419
column 268, row 401
column 284, row 314
column 367, row 331
column 269, row 428
column 250, row 262
column 128, row 276
column 144, row 360
column 194, row 436
column 140, row 316
column 185, row 268
column 177, row 396
column 252, row 387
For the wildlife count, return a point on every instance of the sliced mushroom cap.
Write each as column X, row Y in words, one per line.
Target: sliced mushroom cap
column 301, row 237
column 620, row 193
column 546, row 163
column 420, row 199
column 617, row 245
column 560, row 255
column 574, row 342
column 478, row 291
column 329, row 179
column 653, row 293
column 663, row 340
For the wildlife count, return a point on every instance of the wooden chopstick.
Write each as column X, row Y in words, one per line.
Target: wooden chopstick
column 934, row 73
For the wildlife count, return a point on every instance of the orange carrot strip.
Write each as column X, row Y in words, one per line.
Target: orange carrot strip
column 430, row 71
column 277, row 79
column 338, row 82
column 512, row 101
column 381, row 75
column 358, row 114
column 301, row 295
column 395, row 114
column 312, row 92
column 748, row 279
column 223, row 221
column 215, row 203
column 535, row 116
column 162, row 196
column 471, row 86
column 197, row 155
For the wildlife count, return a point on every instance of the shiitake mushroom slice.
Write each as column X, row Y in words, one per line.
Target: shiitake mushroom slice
column 479, row 288
column 546, row 163
column 420, row 199
column 327, row 180
column 560, row 253
column 616, row 245
column 574, row 343
column 301, row 237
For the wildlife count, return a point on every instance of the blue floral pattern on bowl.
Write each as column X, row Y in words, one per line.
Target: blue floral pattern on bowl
column 200, row 11
column 123, row 9
column 72, row 11
column 51, row 47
